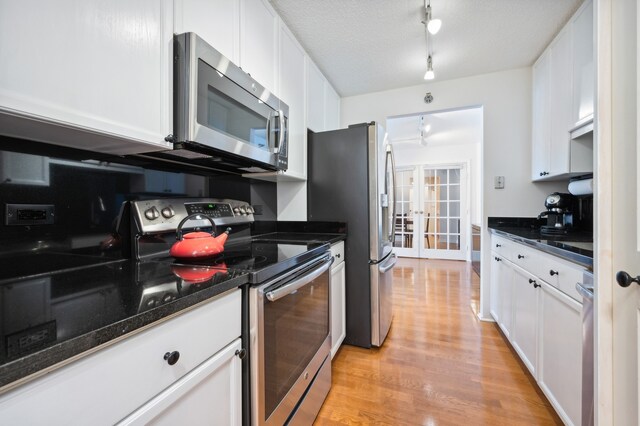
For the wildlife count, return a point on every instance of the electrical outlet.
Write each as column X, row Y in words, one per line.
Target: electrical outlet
column 498, row 182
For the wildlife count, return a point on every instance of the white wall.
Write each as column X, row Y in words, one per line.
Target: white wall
column 506, row 151
column 292, row 201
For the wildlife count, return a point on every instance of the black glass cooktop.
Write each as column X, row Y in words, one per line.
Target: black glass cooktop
column 261, row 259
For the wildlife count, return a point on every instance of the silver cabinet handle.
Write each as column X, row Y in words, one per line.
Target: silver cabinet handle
column 283, row 291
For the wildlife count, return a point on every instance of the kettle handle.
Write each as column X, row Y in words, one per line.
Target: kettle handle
column 199, row 216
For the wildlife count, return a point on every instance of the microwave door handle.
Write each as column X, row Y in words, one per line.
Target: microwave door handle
column 281, row 134
column 283, row 291
column 278, row 142
column 269, row 129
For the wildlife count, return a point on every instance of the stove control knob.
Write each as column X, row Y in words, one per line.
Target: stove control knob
column 243, row 210
column 250, row 210
column 236, row 210
column 168, row 212
column 152, row 213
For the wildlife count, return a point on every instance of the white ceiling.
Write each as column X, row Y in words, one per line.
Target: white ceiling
column 457, row 127
column 365, row 46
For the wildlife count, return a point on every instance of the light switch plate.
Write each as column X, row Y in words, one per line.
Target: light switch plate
column 498, row 182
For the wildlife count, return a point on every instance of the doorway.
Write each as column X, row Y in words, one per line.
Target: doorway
column 431, row 212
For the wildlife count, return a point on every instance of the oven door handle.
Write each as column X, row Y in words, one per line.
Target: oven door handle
column 283, row 291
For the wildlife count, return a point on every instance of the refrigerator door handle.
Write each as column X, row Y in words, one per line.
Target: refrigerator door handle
column 393, row 191
column 392, row 262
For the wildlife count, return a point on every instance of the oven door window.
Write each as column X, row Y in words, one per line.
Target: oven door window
column 225, row 107
column 295, row 327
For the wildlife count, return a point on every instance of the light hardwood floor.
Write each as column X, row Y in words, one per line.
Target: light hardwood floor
column 439, row 365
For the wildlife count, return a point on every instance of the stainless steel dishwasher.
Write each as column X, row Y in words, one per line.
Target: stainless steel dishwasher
column 585, row 288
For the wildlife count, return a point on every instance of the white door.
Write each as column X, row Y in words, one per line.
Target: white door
column 617, row 219
column 405, row 240
column 431, row 212
column 443, row 213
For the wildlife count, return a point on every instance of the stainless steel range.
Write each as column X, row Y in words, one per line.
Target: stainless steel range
column 288, row 313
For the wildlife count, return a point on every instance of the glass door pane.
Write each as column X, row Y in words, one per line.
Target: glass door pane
column 404, row 225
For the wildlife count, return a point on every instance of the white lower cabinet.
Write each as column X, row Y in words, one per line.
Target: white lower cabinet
column 534, row 302
column 338, row 298
column 525, row 318
column 134, row 376
column 560, row 355
column 501, row 301
column 211, row 393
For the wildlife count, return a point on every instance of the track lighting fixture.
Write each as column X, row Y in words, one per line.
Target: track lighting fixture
column 431, row 26
column 429, row 75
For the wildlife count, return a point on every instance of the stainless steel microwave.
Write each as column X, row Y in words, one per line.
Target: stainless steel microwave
column 223, row 118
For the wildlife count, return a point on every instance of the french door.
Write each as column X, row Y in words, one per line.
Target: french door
column 431, row 212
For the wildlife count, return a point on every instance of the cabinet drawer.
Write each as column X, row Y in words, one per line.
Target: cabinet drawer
column 561, row 274
column 526, row 257
column 103, row 387
column 502, row 246
column 337, row 251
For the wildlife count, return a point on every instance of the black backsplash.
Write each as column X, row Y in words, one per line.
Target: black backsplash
column 88, row 196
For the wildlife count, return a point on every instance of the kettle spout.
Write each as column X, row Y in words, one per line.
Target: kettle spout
column 222, row 238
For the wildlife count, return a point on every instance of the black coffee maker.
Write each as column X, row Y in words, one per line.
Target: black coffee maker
column 559, row 214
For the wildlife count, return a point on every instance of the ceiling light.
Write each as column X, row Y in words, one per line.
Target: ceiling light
column 429, row 75
column 433, row 25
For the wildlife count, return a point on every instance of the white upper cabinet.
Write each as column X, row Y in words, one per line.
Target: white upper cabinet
column 331, row 108
column 323, row 103
column 583, row 64
column 315, row 97
column 541, row 118
column 259, row 42
column 560, row 103
column 292, row 93
column 563, row 95
column 216, row 21
column 89, row 74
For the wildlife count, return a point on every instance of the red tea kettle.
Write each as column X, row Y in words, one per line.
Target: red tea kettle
column 198, row 244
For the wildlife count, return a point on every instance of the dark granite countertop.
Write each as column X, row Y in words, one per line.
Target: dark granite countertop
column 49, row 318
column 575, row 247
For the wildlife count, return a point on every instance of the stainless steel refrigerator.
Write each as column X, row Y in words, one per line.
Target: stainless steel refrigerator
column 351, row 178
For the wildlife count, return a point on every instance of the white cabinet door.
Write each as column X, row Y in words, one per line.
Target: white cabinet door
column 259, row 42
column 583, row 64
column 292, row 93
column 560, row 103
column 506, row 278
column 315, row 97
column 338, row 313
column 524, row 335
column 209, row 394
column 102, row 67
column 332, row 108
column 501, row 292
column 216, row 21
column 541, row 118
column 560, row 366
